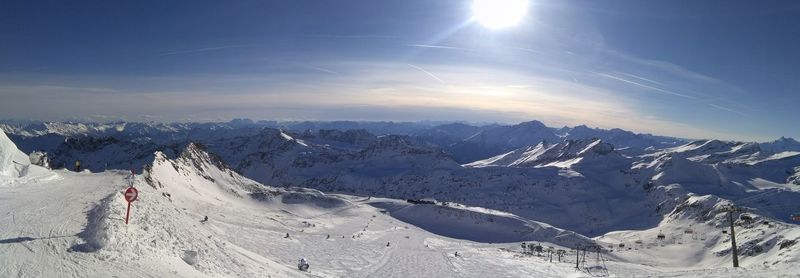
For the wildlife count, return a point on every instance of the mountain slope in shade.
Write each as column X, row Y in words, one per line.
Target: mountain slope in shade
column 501, row 139
column 624, row 140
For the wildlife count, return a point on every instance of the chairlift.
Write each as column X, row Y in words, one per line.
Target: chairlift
column 688, row 231
column 796, row 217
column 661, row 236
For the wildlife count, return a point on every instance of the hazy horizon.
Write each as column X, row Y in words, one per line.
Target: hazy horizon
column 690, row 69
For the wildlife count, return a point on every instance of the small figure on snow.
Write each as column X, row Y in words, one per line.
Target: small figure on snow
column 456, row 253
column 328, row 237
column 387, row 244
column 205, row 219
column 287, row 235
column 302, row 265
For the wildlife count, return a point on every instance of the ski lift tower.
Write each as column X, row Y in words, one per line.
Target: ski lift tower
column 730, row 210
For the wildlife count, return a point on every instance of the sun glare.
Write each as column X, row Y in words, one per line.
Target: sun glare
column 498, row 14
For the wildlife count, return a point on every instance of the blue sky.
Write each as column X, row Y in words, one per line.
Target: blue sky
column 697, row 69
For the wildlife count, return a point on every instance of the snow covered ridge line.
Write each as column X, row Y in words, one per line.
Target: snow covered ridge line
column 547, row 154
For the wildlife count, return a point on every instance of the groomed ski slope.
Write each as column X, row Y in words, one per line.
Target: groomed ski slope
column 47, row 217
column 50, row 235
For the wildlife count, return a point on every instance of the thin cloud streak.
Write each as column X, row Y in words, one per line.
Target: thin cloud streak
column 321, row 69
column 728, row 109
column 427, row 72
column 640, row 78
column 331, row 36
column 644, row 86
column 438, row 46
column 206, row 49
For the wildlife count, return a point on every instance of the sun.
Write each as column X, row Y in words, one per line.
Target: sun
column 499, row 14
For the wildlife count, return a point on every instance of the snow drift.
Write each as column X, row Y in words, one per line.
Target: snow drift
column 13, row 162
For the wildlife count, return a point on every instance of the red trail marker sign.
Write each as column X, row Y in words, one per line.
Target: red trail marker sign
column 130, row 195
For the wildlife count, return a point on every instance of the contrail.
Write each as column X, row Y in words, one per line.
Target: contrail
column 639, row 77
column 321, row 69
column 330, row 36
column 436, row 46
column 427, row 72
column 645, row 86
column 727, row 109
column 205, row 49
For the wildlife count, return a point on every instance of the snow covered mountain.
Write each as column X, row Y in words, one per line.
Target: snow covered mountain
column 500, row 139
column 196, row 217
column 624, row 140
column 563, row 154
column 408, row 166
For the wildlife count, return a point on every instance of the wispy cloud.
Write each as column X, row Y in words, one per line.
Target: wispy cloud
column 320, row 69
column 639, row 77
column 427, row 72
column 205, row 49
column 720, row 107
column 438, row 46
column 645, row 86
column 334, row 36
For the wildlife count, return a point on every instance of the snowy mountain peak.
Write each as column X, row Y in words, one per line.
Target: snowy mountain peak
column 562, row 154
column 531, row 124
column 197, row 169
column 783, row 144
column 201, row 158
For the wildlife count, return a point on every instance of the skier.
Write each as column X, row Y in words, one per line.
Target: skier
column 205, row 219
column 387, row 244
column 287, row 235
column 302, row 265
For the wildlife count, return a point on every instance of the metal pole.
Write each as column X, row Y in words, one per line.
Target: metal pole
column 128, row 213
column 577, row 257
column 733, row 240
